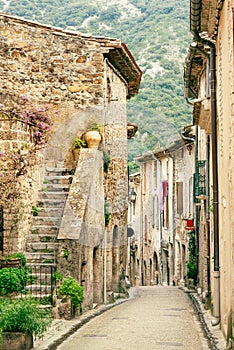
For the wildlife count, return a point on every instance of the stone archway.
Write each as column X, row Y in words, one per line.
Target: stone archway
column 144, row 279
column 156, row 268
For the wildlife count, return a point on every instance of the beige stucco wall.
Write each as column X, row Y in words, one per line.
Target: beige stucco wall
column 226, row 162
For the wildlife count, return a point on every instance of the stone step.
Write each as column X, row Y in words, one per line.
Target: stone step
column 53, row 195
column 41, row 237
column 52, row 212
column 44, row 258
column 39, row 289
column 55, row 179
column 55, row 203
column 41, row 247
column 59, row 171
column 40, row 265
column 44, row 229
column 56, row 188
column 46, row 221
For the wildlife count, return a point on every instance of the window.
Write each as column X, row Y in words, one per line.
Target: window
column 179, row 197
column 165, row 206
column 155, row 212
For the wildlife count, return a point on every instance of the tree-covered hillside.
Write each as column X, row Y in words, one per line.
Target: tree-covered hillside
column 157, row 33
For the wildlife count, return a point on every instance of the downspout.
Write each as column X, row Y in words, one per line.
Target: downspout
column 196, row 205
column 216, row 309
column 208, row 211
column 186, row 138
column 105, row 228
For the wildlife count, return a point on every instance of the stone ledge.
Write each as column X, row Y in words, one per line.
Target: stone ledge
column 214, row 335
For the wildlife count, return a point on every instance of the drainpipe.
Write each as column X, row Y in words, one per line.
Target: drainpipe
column 216, row 310
column 105, row 229
column 186, row 138
column 196, row 203
column 207, row 211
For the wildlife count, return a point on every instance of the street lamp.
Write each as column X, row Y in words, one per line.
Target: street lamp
column 132, row 195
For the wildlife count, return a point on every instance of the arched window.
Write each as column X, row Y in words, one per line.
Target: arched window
column 83, row 273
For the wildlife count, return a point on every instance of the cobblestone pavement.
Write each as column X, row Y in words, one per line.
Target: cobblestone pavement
column 158, row 318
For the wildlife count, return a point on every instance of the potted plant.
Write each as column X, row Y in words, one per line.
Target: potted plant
column 93, row 136
column 72, row 289
column 13, row 260
column 78, row 143
column 13, row 281
column 76, row 146
column 20, row 320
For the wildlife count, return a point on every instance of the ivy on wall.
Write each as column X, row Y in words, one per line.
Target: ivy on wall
column 20, row 154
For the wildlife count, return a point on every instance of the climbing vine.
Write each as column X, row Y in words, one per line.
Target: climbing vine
column 19, row 156
column 192, row 262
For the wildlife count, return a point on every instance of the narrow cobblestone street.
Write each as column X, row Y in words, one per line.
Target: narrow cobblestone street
column 157, row 318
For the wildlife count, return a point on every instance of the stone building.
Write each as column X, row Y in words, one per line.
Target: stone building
column 209, row 87
column 80, row 83
column 163, row 203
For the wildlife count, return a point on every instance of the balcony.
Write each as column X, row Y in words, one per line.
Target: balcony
column 200, row 179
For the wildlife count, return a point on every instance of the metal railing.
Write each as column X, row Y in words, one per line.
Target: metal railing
column 35, row 280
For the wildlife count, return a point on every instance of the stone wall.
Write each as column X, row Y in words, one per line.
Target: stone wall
column 116, row 179
column 71, row 74
column 19, row 185
column 49, row 65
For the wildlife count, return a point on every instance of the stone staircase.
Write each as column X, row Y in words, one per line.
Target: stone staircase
column 42, row 244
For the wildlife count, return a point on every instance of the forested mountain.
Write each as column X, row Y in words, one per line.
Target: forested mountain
column 157, row 33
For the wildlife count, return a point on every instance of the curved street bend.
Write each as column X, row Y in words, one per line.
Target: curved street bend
column 158, row 318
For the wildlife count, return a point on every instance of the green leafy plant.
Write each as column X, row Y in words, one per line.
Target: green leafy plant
column 34, row 210
column 47, row 261
column 66, row 254
column 211, row 206
column 18, row 255
column 71, row 288
column 48, row 250
column 13, row 280
column 23, row 315
column 45, row 300
column 78, row 143
column 107, row 218
column 57, row 276
column 107, row 213
column 192, row 262
column 106, row 161
column 192, row 268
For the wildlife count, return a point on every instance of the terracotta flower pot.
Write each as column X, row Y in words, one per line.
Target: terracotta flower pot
column 93, row 138
column 16, row 341
column 13, row 262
